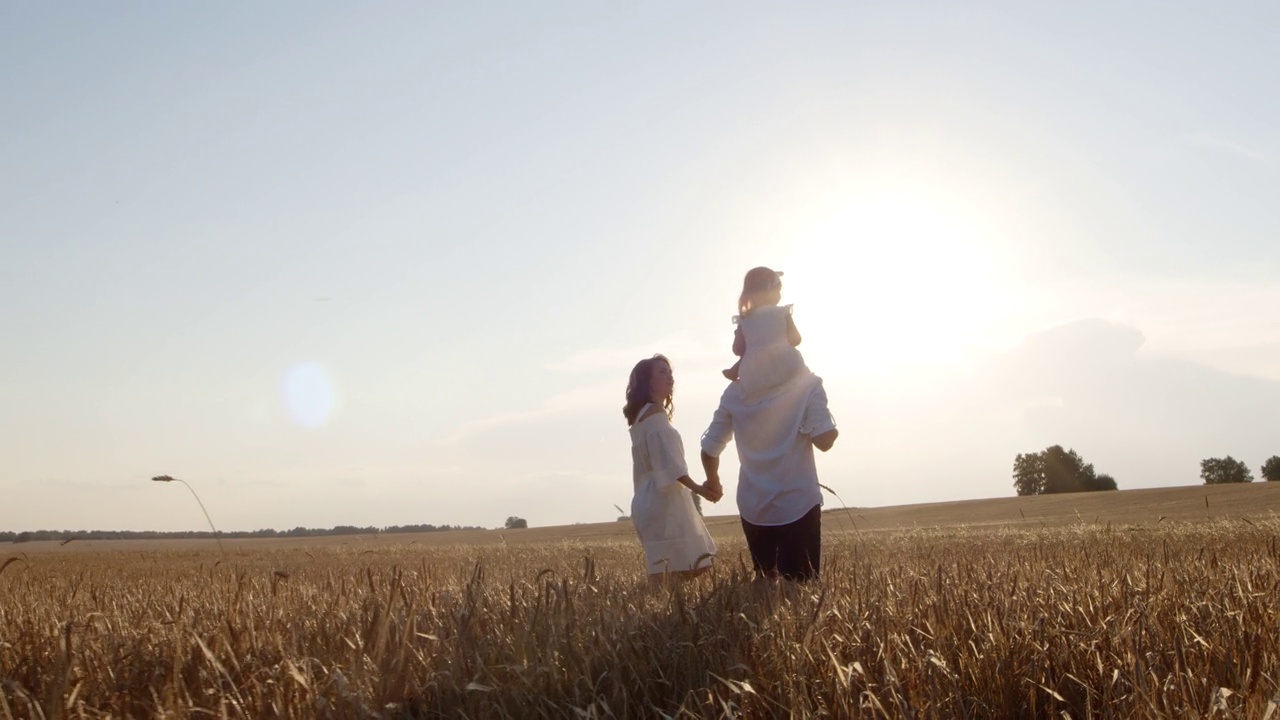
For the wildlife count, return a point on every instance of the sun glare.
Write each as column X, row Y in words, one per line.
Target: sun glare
column 885, row 280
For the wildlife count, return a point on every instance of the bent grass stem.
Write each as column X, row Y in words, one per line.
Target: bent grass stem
column 216, row 536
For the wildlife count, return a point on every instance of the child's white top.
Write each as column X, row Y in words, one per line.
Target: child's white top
column 662, row 510
column 770, row 360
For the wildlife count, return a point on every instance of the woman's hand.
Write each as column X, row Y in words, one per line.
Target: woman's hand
column 706, row 489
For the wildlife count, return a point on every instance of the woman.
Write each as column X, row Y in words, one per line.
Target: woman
column 675, row 539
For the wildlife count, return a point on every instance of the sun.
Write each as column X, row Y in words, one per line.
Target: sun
column 882, row 280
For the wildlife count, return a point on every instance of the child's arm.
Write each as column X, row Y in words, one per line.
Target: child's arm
column 739, row 342
column 793, row 335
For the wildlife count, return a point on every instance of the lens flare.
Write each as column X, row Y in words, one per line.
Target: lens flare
column 307, row 393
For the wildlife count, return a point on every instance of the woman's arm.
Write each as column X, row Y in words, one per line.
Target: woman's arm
column 739, row 342
column 706, row 490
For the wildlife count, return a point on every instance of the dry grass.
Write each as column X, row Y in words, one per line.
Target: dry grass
column 1164, row 619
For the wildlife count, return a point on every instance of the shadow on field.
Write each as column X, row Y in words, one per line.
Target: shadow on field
column 604, row 646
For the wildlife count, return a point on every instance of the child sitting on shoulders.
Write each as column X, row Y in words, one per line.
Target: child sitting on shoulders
column 766, row 337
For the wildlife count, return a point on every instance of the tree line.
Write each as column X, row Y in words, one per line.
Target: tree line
column 1055, row 470
column 69, row 535
column 1220, row 471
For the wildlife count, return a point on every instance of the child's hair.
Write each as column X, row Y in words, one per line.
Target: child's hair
column 639, row 389
column 759, row 280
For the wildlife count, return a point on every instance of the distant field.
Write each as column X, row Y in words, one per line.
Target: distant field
column 1134, row 604
column 1192, row 503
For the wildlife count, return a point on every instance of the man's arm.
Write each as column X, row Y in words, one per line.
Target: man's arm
column 817, row 422
column 719, row 433
column 711, row 467
column 714, row 441
column 823, row 442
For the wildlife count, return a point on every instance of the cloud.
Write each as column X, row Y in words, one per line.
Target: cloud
column 683, row 350
column 83, row 504
column 568, row 460
column 1074, row 349
column 580, row 497
column 252, row 483
column 94, row 486
column 593, row 397
column 1213, row 142
column 952, row 432
column 697, row 366
column 1147, row 419
column 911, row 434
column 1109, row 388
column 1226, row 323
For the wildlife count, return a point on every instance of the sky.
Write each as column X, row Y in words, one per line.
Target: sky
column 391, row 264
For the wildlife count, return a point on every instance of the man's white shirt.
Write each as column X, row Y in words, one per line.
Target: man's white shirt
column 778, row 479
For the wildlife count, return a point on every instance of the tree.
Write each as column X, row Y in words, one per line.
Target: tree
column 1103, row 482
column 1054, row 470
column 1220, row 471
column 1028, row 473
column 516, row 523
column 1271, row 469
column 1065, row 471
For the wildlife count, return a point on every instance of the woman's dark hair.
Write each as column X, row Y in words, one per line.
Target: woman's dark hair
column 639, row 389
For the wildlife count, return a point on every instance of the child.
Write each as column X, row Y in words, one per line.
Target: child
column 766, row 337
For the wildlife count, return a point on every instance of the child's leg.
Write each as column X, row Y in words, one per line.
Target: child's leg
column 732, row 373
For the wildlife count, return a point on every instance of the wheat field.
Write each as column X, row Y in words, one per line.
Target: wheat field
column 1167, row 618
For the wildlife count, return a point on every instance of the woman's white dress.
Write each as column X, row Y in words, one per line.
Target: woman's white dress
column 770, row 359
column 670, row 528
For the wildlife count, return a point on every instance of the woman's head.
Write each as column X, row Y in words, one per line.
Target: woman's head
column 761, row 286
column 651, row 381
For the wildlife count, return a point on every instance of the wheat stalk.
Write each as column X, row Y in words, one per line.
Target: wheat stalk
column 169, row 479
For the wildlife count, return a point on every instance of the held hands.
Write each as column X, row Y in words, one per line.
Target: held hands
column 710, row 492
column 712, row 489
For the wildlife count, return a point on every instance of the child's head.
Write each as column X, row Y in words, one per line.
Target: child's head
column 760, row 287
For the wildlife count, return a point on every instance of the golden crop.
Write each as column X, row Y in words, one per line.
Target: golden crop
column 1162, row 620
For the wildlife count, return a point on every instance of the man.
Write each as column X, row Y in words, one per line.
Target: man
column 778, row 495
